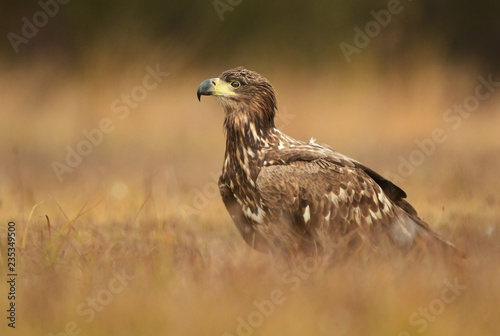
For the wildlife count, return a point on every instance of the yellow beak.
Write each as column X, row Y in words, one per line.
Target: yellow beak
column 214, row 87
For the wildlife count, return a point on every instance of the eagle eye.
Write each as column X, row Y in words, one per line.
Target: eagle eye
column 235, row 84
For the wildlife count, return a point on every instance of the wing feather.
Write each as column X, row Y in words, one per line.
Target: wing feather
column 335, row 199
column 325, row 156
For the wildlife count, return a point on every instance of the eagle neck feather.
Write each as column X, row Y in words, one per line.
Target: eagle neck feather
column 248, row 131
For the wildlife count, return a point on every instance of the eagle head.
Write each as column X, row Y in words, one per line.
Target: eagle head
column 243, row 92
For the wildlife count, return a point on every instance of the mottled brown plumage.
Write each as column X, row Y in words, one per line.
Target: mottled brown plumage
column 291, row 197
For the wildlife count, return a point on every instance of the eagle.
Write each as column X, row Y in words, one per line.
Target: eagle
column 294, row 198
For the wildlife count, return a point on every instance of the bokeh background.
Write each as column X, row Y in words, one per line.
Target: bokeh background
column 143, row 196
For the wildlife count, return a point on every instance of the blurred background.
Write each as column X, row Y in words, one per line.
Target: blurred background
column 218, row 32
column 103, row 142
column 64, row 64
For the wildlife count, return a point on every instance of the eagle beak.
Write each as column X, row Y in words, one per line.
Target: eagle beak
column 214, row 87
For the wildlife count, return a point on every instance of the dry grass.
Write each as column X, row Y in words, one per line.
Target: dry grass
column 144, row 203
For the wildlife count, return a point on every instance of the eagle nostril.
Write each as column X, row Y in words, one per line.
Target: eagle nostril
column 213, row 83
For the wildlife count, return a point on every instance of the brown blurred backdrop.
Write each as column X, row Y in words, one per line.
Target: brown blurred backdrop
column 104, row 147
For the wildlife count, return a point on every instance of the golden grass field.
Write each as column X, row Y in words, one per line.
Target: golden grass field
column 136, row 241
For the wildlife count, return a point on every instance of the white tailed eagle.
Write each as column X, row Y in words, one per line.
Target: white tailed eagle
column 294, row 198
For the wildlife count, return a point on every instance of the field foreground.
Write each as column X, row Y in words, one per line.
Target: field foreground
column 132, row 238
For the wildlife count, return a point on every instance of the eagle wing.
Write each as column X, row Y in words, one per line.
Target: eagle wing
column 321, row 198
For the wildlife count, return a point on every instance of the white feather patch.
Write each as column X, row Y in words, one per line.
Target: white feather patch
column 307, row 214
column 256, row 217
column 385, row 201
column 375, row 215
column 342, row 194
column 254, row 131
column 357, row 215
column 335, row 199
column 327, row 217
